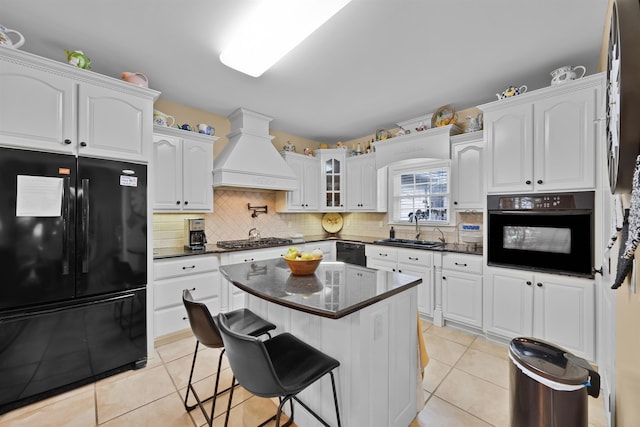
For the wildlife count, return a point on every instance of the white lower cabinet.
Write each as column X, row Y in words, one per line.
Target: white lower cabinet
column 199, row 273
column 235, row 297
column 414, row 262
column 462, row 288
column 558, row 309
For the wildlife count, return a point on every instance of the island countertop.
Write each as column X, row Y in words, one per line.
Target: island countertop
column 334, row 291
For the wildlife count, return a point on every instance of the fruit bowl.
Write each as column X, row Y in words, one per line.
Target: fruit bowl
column 303, row 267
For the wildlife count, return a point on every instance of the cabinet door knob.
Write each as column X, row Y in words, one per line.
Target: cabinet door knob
column 527, row 182
column 177, row 202
column 83, row 144
column 67, row 141
column 539, row 284
column 528, row 282
column 186, row 202
column 192, row 290
column 393, row 269
column 399, row 271
column 444, row 278
column 455, row 203
column 539, row 181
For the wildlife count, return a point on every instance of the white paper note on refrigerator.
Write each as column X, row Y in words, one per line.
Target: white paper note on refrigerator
column 38, row 196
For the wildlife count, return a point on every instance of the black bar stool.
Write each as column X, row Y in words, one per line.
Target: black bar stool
column 206, row 332
column 281, row 366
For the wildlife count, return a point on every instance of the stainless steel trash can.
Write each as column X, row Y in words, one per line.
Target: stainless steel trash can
column 548, row 385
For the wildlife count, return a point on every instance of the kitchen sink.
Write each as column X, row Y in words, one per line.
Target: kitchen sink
column 425, row 244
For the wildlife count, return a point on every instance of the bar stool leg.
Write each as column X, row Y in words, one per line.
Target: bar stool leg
column 193, row 364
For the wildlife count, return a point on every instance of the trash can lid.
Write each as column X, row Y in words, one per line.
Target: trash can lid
column 548, row 361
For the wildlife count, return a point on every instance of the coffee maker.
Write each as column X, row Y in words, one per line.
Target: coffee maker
column 194, row 237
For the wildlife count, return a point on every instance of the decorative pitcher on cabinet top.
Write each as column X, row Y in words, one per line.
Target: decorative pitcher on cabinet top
column 6, row 41
column 511, row 91
column 566, row 73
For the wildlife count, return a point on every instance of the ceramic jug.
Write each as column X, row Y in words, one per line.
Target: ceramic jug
column 135, row 78
column 162, row 119
column 6, row 41
column 566, row 73
column 205, row 129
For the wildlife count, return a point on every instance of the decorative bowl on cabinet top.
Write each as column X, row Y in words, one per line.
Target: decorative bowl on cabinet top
column 6, row 41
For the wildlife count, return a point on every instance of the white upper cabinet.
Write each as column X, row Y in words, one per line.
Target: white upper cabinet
column 50, row 106
column 332, row 170
column 362, row 183
column 37, row 108
column 113, row 124
column 467, row 171
column 544, row 140
column 307, row 196
column 183, row 165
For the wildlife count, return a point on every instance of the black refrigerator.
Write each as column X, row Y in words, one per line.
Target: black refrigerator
column 73, row 272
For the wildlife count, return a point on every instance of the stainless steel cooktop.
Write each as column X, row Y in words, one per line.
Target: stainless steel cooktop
column 258, row 243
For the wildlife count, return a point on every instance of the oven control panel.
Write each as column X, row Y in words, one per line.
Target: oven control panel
column 541, row 202
column 556, row 201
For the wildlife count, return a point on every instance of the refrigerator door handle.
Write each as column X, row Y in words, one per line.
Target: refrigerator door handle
column 85, row 225
column 66, row 203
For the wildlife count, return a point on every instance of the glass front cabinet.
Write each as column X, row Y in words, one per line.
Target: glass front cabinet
column 332, row 163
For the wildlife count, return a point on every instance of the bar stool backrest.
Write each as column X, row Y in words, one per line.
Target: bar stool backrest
column 202, row 324
column 250, row 362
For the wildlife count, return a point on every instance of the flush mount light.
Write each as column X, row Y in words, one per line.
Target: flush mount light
column 273, row 29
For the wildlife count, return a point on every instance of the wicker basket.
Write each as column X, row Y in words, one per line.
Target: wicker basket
column 445, row 115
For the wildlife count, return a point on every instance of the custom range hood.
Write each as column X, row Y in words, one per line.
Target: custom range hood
column 249, row 160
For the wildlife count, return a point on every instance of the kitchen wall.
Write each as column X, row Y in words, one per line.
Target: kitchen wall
column 627, row 320
column 232, row 220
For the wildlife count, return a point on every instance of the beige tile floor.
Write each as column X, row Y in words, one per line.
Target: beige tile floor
column 466, row 384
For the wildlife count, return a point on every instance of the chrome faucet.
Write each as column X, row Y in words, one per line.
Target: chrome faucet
column 442, row 239
column 416, row 215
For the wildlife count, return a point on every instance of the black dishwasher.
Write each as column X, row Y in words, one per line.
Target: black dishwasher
column 351, row 252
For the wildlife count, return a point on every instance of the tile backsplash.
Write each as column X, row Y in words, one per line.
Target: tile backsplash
column 231, row 220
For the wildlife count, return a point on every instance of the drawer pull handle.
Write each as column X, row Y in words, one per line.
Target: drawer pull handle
column 188, row 268
column 413, row 259
column 247, row 260
column 462, row 264
column 381, row 254
column 185, row 318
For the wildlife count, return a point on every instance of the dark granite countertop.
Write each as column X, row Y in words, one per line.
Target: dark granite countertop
column 325, row 293
column 162, row 253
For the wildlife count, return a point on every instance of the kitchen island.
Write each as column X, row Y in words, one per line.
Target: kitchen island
column 365, row 318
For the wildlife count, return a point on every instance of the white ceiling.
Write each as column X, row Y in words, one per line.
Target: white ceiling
column 375, row 63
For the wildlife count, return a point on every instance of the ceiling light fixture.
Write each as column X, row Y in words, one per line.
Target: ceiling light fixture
column 273, row 29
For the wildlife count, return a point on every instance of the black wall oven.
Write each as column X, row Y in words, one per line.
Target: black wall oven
column 542, row 232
